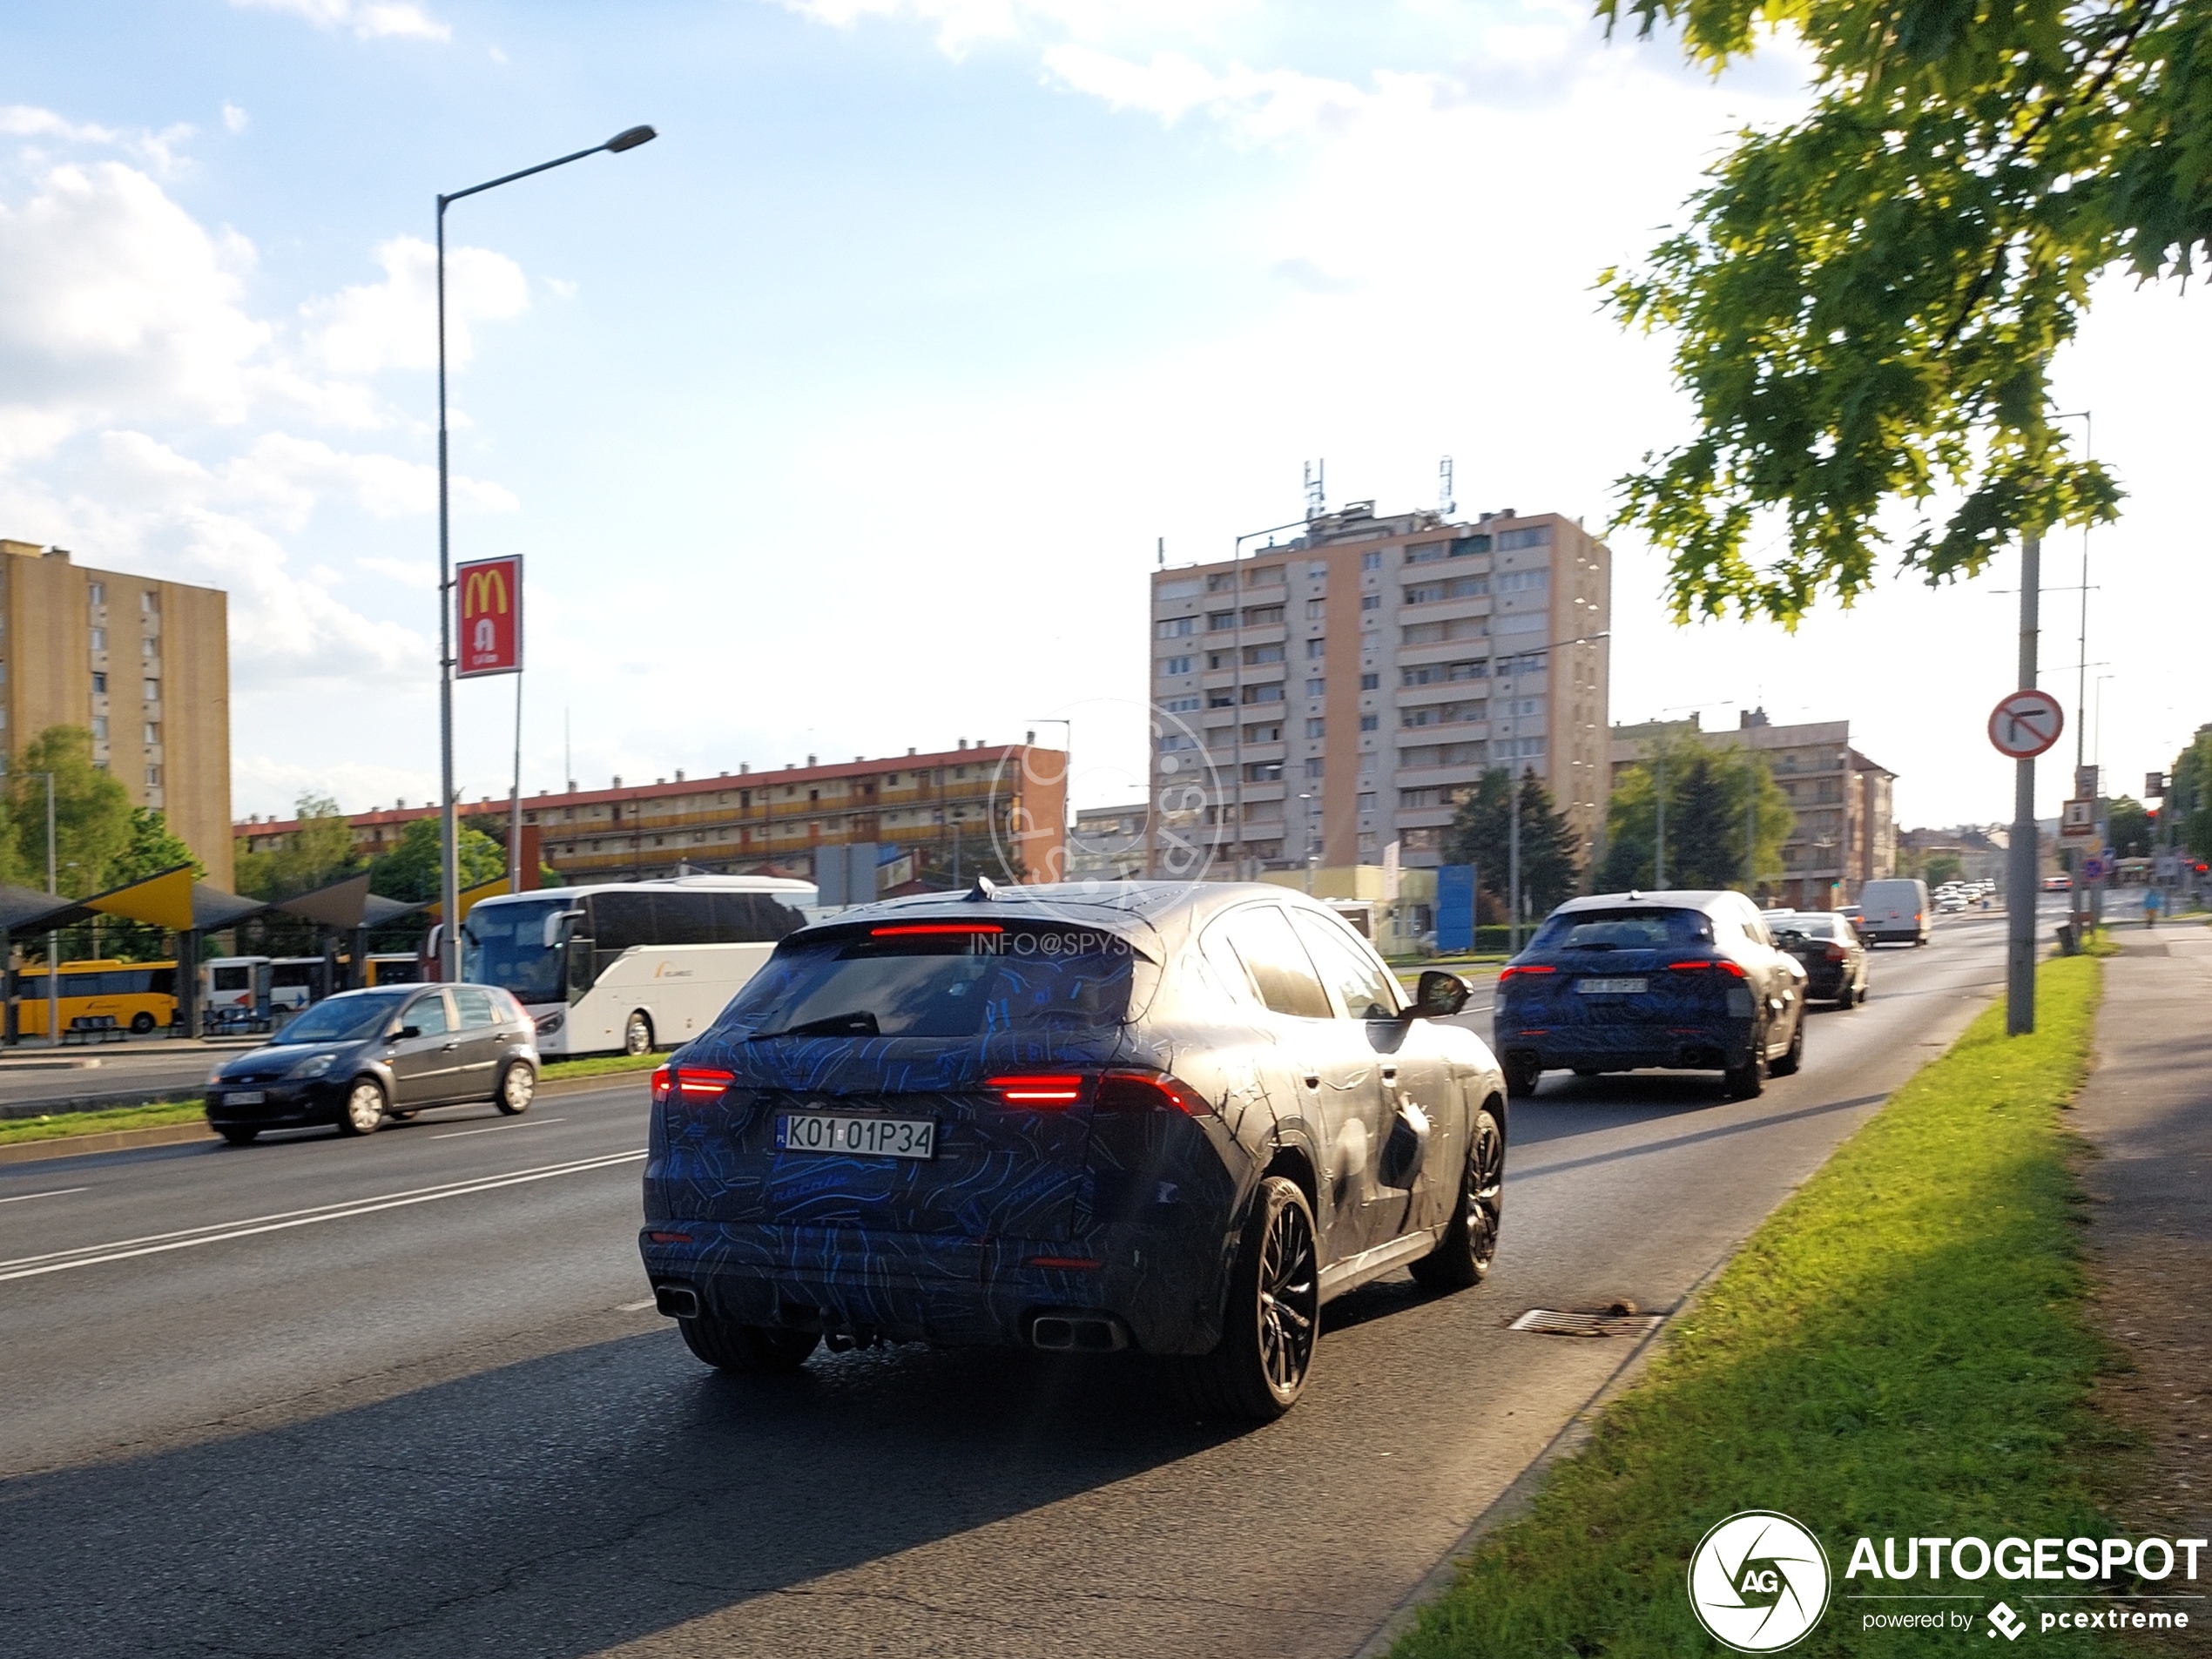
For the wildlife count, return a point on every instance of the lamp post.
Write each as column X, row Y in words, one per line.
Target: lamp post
column 53, row 939
column 449, row 849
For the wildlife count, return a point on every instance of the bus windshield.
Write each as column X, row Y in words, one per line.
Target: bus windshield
column 508, row 945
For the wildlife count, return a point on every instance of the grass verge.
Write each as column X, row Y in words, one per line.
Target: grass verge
column 600, row 1065
column 1900, row 1349
column 14, row 1131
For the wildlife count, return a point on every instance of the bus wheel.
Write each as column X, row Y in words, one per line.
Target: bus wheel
column 141, row 1022
column 638, row 1034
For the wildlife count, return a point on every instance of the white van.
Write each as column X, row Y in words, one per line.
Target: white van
column 1895, row 910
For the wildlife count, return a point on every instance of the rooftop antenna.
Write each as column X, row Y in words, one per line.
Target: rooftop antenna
column 1164, row 552
column 1317, row 490
column 1445, row 505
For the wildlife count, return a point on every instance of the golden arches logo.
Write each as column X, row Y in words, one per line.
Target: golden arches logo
column 482, row 587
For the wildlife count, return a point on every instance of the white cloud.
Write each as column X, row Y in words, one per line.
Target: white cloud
column 393, row 323
column 235, row 120
column 958, row 23
column 290, row 475
column 409, row 573
column 25, row 121
column 1255, row 104
column 371, row 21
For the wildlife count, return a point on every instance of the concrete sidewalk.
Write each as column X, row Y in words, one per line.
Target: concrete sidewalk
column 2147, row 1110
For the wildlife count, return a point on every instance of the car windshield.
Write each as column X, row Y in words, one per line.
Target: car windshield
column 343, row 1019
column 1643, row 928
column 969, row 982
column 506, row 945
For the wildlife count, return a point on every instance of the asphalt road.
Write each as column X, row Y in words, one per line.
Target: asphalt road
column 402, row 1396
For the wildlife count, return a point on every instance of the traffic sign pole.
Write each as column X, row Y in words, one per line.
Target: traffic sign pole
column 2021, row 863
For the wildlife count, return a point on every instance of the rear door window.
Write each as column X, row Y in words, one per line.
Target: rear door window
column 916, row 981
column 474, row 1005
column 428, row 1013
column 1280, row 969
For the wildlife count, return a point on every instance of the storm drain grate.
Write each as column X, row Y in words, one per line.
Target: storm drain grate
column 1618, row 1320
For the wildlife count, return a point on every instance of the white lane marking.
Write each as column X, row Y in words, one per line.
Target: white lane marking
column 637, row 1307
column 58, row 1192
column 456, row 1134
column 156, row 1244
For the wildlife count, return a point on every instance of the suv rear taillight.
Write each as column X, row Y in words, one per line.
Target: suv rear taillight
column 1113, row 1092
column 1514, row 970
column 692, row 1082
column 1706, row 963
column 1044, row 1089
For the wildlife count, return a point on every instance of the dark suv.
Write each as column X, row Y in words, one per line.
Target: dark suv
column 352, row 1059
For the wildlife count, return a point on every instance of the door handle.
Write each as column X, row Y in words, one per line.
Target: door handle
column 449, row 1047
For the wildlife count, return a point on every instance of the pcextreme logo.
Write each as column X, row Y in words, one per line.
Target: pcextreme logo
column 1758, row 1581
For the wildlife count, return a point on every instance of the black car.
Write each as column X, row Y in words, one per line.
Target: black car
column 1829, row 950
column 1166, row 1118
column 354, row 1058
column 1682, row 980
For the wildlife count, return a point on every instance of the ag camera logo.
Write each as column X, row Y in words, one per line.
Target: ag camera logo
column 1758, row 1581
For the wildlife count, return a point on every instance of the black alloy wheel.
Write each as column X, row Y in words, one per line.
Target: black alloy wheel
column 1260, row 1367
column 637, row 1033
column 1845, row 997
column 1747, row 1081
column 1461, row 1258
column 749, row 1350
column 141, row 1022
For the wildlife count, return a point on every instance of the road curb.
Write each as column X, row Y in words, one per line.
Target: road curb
column 123, row 1139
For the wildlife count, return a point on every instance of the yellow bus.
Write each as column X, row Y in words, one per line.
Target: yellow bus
column 141, row 996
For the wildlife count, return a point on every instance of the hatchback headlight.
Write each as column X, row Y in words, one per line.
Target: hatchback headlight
column 313, row 1065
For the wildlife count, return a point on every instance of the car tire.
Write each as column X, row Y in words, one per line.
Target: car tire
column 1258, row 1369
column 363, row 1112
column 1795, row 1055
column 517, row 1088
column 637, row 1033
column 141, row 1023
column 1747, row 1081
column 237, row 1134
column 1845, row 997
column 749, row 1350
column 1522, row 1074
column 1461, row 1258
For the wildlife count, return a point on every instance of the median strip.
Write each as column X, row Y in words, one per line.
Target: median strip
column 1901, row 1348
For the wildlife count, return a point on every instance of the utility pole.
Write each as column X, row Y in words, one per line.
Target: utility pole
column 1752, row 829
column 1659, row 841
column 2021, row 862
column 1513, row 872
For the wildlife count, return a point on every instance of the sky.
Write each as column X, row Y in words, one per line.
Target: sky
column 850, row 415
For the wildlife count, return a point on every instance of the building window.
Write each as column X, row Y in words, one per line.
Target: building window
column 1365, row 802
column 100, row 728
column 1368, row 722
column 154, row 690
column 1370, row 682
column 1316, row 648
column 1371, row 602
column 1264, row 771
column 99, row 591
column 1270, row 576
column 1317, row 571
column 1317, row 727
column 1313, row 767
column 1219, row 580
column 1264, row 693
column 1255, row 655
column 145, row 601
column 1263, row 616
column 1174, row 665
column 145, row 648
column 1316, row 688
column 1371, row 561
column 1442, row 673
column 153, row 731
column 1461, row 587
column 1316, row 608
column 1524, row 581
column 1176, row 627
column 100, row 684
column 153, row 776
column 99, row 640
column 1536, row 535
column 1179, row 704
column 1217, row 621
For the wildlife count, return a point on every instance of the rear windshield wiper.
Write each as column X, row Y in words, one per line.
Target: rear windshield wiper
column 862, row 1024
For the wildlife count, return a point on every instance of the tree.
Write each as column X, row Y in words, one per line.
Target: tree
column 411, row 870
column 1865, row 301
column 2127, row 824
column 92, row 822
column 319, row 852
column 1482, row 834
column 1710, row 795
column 2189, row 796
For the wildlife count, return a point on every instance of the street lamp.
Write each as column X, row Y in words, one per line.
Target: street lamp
column 448, row 852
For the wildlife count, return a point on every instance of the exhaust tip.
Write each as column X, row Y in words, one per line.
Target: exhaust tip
column 1077, row 1333
column 1058, row 1336
column 676, row 1301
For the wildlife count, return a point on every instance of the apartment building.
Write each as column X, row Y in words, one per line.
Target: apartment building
column 973, row 810
column 1108, row 843
column 1320, row 698
column 144, row 665
column 1846, row 830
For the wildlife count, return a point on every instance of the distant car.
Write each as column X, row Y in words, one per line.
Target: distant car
column 1682, row 980
column 1831, row 952
column 1176, row 1117
column 1895, row 910
column 1949, row 902
column 2058, row 884
column 352, row 1059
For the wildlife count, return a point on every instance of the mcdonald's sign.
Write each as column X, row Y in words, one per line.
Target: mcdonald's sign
column 490, row 595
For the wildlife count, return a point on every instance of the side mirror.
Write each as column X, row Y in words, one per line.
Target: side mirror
column 406, row 1032
column 1440, row 995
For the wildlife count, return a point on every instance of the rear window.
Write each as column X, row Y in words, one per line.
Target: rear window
column 964, row 983
column 1811, row 927
column 1643, row 928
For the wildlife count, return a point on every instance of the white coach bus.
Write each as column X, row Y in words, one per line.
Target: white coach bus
column 633, row 966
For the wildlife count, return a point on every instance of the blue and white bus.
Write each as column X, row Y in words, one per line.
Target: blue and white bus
column 633, row 966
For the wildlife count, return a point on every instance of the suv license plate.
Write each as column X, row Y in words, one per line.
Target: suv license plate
column 880, row 1138
column 1610, row 987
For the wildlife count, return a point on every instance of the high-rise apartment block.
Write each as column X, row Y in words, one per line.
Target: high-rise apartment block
column 144, row 665
column 1319, row 699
